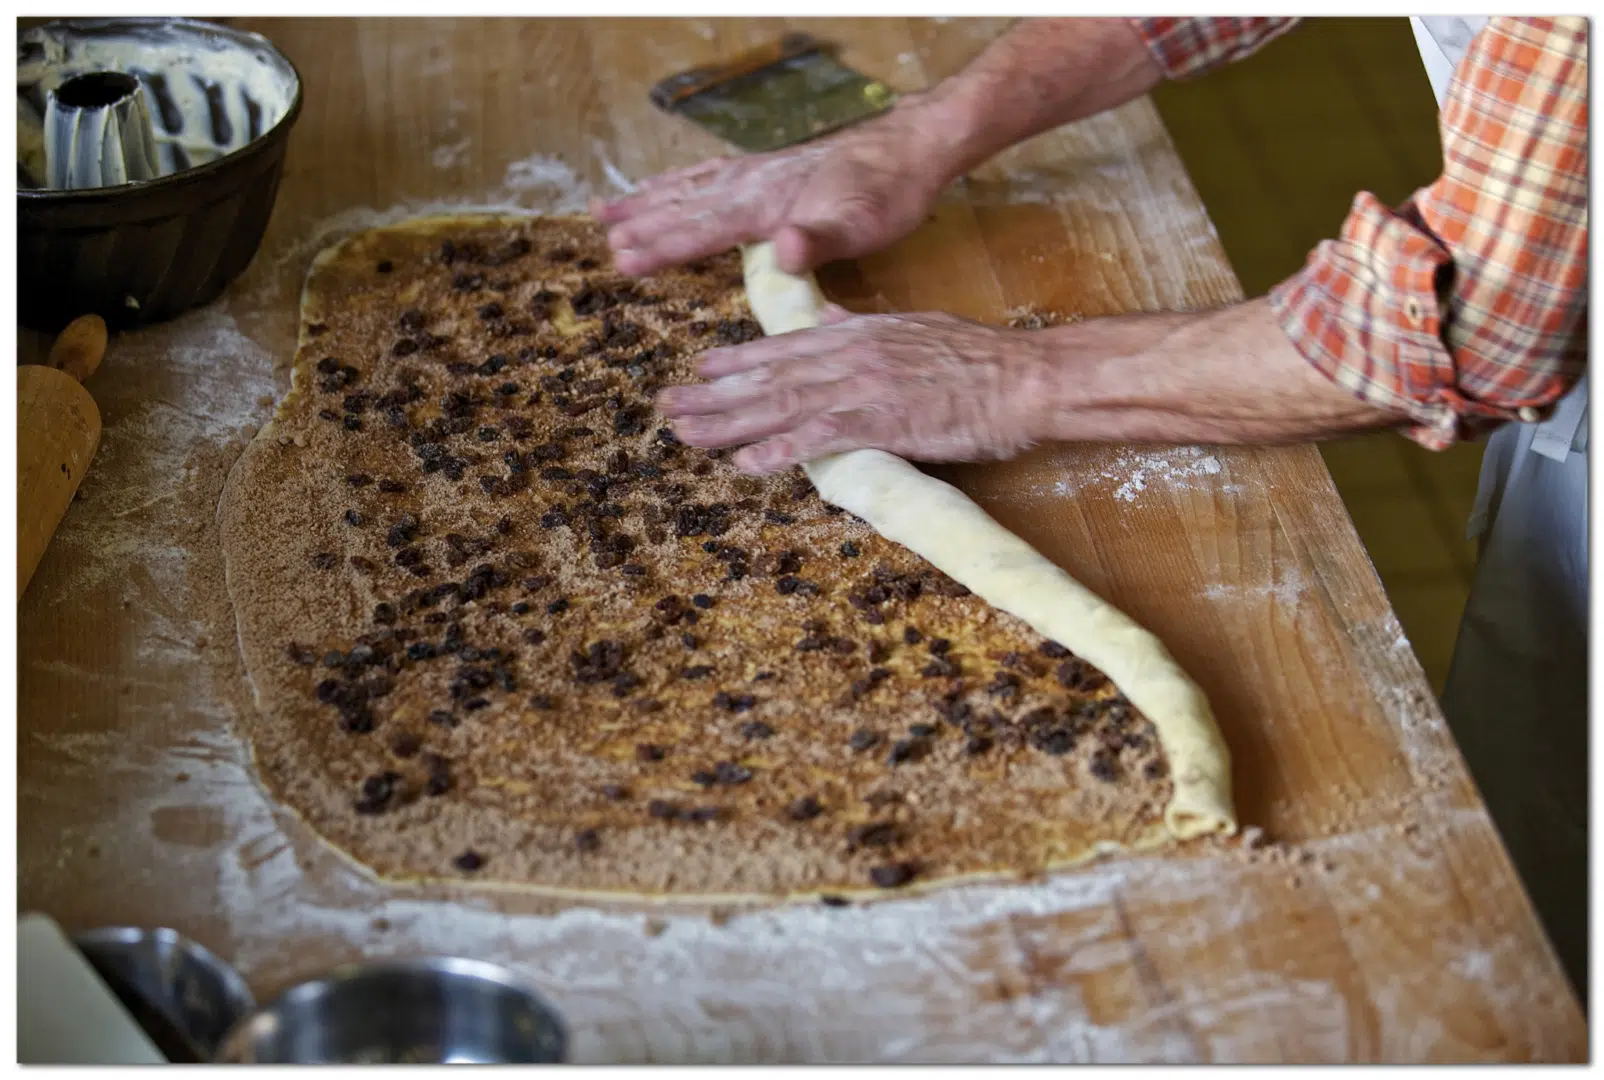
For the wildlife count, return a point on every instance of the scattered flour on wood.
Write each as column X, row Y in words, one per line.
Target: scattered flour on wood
column 548, row 176
column 166, row 393
column 1285, row 588
column 1137, row 472
column 450, row 155
column 1179, row 469
column 534, row 184
column 615, row 176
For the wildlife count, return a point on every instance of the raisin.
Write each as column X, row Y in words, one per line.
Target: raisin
column 1073, row 674
column 377, row 791
column 871, row 834
column 1102, row 766
column 804, row 809
column 439, row 779
column 892, row 875
column 863, row 739
column 728, row 773
column 1057, row 741
column 906, row 750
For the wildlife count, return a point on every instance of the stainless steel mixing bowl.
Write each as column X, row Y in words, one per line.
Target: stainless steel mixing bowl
column 184, row 997
column 419, row 1011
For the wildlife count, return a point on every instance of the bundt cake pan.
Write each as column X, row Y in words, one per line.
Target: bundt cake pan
column 222, row 104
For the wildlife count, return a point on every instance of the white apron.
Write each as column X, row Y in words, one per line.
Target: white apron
column 1516, row 696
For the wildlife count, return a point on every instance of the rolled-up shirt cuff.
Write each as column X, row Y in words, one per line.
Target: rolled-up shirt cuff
column 1367, row 310
column 1185, row 48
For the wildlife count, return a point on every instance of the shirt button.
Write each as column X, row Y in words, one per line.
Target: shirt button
column 1528, row 414
column 1412, row 309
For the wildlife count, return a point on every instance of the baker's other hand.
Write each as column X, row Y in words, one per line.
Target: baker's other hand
column 846, row 195
column 926, row 387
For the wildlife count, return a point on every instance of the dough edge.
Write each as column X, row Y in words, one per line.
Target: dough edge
column 899, row 501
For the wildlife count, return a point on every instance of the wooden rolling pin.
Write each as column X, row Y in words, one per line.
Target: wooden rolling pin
column 58, row 429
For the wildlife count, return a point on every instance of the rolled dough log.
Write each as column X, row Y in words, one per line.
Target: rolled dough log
column 900, row 502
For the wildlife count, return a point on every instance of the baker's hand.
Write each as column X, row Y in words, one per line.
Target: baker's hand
column 846, row 195
column 927, row 387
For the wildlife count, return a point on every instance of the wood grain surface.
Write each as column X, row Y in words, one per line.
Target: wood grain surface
column 1369, row 914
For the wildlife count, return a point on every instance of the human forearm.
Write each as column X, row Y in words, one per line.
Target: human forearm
column 1038, row 75
column 939, row 388
column 1226, row 376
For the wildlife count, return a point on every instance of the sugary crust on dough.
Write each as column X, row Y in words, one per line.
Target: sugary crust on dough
column 525, row 781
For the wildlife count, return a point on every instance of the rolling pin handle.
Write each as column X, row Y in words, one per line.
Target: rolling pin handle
column 79, row 349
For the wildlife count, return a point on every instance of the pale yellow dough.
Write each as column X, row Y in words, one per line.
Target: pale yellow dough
column 900, row 502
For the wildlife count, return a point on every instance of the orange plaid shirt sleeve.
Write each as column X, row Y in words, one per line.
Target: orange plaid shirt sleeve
column 1467, row 305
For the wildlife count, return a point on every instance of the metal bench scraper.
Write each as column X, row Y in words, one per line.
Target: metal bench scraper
column 779, row 94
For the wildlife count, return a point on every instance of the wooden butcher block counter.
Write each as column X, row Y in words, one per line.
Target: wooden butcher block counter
column 1368, row 913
